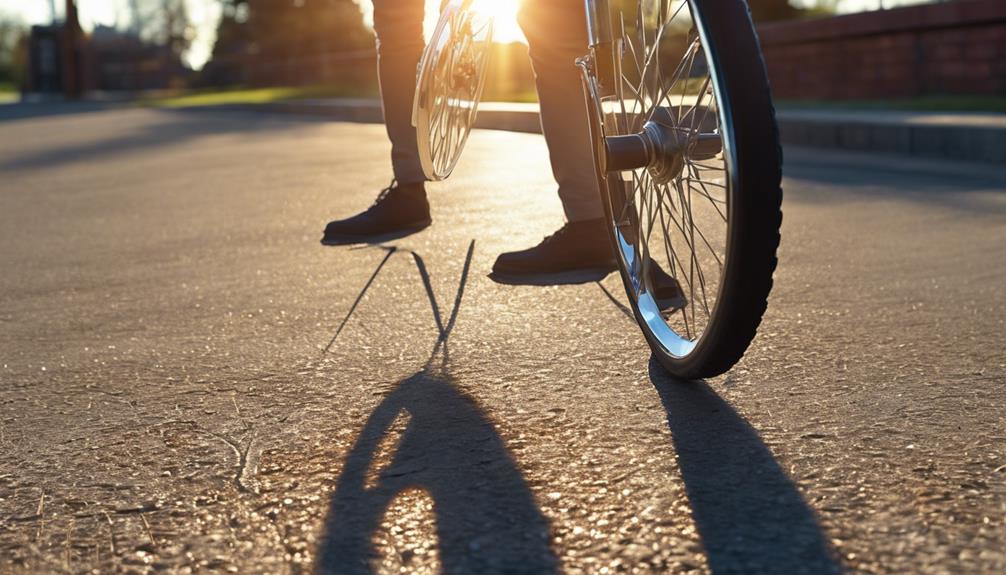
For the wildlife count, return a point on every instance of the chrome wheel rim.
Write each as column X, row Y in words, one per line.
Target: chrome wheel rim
column 450, row 82
column 676, row 218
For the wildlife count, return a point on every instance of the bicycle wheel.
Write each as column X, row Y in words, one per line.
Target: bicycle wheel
column 688, row 158
column 449, row 85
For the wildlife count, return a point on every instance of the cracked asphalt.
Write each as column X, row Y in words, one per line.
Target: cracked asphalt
column 184, row 388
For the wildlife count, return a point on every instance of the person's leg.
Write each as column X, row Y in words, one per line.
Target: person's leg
column 399, row 28
column 401, row 209
column 556, row 31
column 557, row 34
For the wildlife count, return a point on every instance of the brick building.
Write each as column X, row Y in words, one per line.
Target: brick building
column 934, row 49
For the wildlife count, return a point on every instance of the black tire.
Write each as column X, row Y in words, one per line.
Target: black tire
column 754, row 215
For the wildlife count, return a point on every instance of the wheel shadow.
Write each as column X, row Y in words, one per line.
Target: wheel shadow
column 487, row 520
column 750, row 515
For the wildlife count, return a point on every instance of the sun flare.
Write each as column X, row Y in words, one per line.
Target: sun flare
column 504, row 12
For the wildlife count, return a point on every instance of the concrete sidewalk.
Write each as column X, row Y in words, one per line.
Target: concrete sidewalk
column 972, row 137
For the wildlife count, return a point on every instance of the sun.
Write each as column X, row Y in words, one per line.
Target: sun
column 505, row 28
column 504, row 12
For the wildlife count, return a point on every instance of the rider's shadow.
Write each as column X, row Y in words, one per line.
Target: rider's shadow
column 486, row 518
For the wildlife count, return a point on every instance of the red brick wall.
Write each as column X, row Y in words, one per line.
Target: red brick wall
column 949, row 48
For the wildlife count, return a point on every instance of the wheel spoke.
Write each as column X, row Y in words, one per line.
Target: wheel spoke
column 453, row 67
column 665, row 92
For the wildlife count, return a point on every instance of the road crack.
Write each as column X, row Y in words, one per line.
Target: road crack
column 247, row 459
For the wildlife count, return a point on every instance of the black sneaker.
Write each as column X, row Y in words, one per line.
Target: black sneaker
column 579, row 252
column 400, row 210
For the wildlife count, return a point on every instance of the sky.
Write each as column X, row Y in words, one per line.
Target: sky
column 205, row 13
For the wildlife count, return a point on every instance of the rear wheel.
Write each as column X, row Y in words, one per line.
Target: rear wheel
column 688, row 159
column 449, row 85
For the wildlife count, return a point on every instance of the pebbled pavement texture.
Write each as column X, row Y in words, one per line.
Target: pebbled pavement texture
column 190, row 382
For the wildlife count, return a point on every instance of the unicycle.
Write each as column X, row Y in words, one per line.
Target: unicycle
column 687, row 157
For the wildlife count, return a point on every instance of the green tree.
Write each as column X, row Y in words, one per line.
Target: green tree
column 285, row 28
column 164, row 23
column 283, row 41
column 12, row 57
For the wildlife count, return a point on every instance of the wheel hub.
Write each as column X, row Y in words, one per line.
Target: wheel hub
column 667, row 143
column 660, row 147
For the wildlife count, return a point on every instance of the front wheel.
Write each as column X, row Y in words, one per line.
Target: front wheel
column 687, row 155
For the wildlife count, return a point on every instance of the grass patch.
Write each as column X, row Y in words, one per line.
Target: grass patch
column 9, row 93
column 995, row 104
column 238, row 95
column 255, row 95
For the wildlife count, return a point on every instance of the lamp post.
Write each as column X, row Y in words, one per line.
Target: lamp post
column 71, row 52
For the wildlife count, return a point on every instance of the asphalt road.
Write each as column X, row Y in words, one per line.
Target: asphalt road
column 173, row 396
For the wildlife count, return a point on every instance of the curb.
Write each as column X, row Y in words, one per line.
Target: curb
column 966, row 137
column 492, row 115
column 960, row 137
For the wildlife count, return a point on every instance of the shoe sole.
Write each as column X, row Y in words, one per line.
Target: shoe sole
column 577, row 277
column 574, row 277
column 375, row 239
